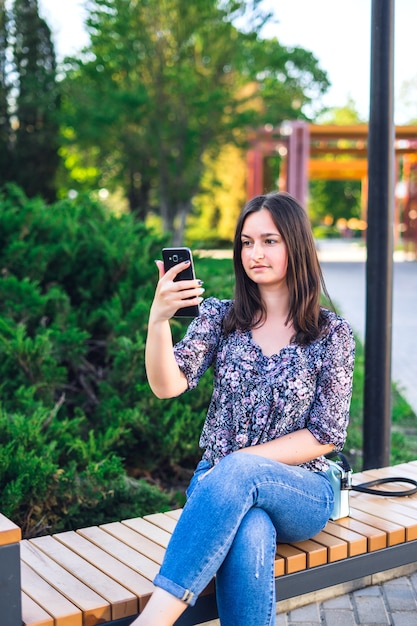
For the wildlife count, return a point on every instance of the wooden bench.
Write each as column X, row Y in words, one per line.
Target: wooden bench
column 102, row 575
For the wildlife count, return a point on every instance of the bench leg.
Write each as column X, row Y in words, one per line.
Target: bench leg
column 10, row 594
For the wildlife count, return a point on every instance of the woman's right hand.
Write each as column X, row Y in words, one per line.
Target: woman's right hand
column 171, row 295
column 164, row 376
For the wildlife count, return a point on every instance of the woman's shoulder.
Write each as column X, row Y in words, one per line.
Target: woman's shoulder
column 215, row 306
column 335, row 323
column 212, row 314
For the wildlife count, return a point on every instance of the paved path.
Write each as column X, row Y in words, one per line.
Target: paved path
column 392, row 603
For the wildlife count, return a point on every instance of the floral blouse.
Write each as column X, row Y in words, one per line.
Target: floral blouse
column 258, row 398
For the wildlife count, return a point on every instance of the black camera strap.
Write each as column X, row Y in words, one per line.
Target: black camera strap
column 368, row 487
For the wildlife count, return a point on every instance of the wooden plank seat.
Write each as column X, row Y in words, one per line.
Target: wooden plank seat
column 103, row 575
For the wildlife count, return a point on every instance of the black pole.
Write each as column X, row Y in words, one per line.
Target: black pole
column 378, row 335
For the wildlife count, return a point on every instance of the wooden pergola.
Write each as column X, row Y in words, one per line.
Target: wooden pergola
column 332, row 152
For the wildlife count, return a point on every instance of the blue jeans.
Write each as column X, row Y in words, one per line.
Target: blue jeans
column 235, row 513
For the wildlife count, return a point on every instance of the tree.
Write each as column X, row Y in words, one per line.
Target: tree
column 5, row 128
column 29, row 102
column 36, row 147
column 165, row 83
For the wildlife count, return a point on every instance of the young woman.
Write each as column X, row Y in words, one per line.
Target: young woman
column 283, row 369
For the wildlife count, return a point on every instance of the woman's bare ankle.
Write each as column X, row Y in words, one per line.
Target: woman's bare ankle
column 162, row 609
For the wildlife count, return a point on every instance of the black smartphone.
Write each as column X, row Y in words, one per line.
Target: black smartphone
column 173, row 256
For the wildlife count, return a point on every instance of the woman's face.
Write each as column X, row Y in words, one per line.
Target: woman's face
column 264, row 253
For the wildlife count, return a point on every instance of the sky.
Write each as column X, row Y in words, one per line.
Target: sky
column 337, row 32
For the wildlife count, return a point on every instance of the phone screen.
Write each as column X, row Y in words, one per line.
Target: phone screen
column 173, row 256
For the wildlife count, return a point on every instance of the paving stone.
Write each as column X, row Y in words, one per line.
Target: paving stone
column 339, row 617
column 309, row 614
column 341, row 602
column 404, row 618
column 392, row 603
column 371, row 610
column 399, row 595
column 281, row 620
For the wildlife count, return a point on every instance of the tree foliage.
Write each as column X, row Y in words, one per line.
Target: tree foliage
column 28, row 101
column 5, row 125
column 165, row 83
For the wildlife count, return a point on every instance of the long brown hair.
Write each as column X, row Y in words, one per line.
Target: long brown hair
column 304, row 276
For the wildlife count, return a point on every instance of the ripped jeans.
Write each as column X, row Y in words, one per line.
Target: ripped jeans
column 235, row 513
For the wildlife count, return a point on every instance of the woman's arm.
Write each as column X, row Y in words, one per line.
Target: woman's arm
column 164, row 376
column 293, row 449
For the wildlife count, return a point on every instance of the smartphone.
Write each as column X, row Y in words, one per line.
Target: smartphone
column 173, row 256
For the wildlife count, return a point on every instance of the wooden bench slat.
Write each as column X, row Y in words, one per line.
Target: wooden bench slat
column 162, row 521
column 149, row 530
column 395, row 532
column 410, row 473
column 393, row 512
column 295, row 559
column 176, row 514
column 336, row 548
column 136, row 583
column 392, row 472
column 412, row 466
column 357, row 543
column 390, row 508
column 136, row 541
column 376, row 539
column 316, row 554
column 9, row 532
column 121, row 551
column 122, row 601
column 93, row 607
column 144, row 546
column 34, row 614
column 403, row 506
column 279, row 566
column 64, row 612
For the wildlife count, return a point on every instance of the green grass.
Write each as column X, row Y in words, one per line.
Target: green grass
column 218, row 281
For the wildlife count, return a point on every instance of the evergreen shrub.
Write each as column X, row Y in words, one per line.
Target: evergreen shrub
column 79, row 427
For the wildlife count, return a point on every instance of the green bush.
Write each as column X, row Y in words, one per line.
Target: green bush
column 52, row 479
column 79, row 423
